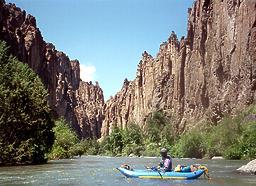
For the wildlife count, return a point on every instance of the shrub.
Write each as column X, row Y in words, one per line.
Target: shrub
column 105, row 146
column 91, row 146
column 234, row 152
column 151, row 149
column 219, row 138
column 190, row 145
column 248, row 141
column 133, row 140
column 245, row 146
column 134, row 149
column 77, row 150
column 234, row 138
column 132, row 135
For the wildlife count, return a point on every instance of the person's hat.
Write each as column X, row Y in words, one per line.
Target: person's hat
column 163, row 150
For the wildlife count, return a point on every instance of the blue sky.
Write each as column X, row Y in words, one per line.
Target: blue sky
column 108, row 36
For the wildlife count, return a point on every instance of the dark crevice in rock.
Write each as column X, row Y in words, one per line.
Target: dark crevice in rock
column 206, row 5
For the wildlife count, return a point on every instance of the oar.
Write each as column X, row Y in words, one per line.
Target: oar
column 160, row 174
column 155, row 170
column 205, row 171
column 207, row 175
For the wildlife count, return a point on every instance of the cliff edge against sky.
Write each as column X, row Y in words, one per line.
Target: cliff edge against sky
column 208, row 74
column 80, row 103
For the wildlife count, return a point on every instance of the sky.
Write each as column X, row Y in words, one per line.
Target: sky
column 108, row 37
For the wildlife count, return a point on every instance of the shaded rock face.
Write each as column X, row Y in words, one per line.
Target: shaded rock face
column 68, row 95
column 89, row 110
column 208, row 74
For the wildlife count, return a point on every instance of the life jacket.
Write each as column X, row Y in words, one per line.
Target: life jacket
column 167, row 164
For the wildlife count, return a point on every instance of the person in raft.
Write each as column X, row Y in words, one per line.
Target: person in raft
column 166, row 163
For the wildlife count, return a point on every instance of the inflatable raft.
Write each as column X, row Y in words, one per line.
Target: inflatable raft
column 153, row 174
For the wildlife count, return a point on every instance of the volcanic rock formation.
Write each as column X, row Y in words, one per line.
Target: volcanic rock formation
column 208, row 74
column 80, row 103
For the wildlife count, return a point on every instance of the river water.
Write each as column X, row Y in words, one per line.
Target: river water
column 99, row 170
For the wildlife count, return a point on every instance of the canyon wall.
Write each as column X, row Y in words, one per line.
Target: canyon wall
column 205, row 76
column 80, row 103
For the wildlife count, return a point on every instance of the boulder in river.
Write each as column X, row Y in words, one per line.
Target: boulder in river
column 248, row 168
column 217, row 158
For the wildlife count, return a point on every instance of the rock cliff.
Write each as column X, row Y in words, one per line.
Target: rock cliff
column 208, row 74
column 78, row 102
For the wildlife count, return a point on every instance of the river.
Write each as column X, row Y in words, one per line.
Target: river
column 99, row 170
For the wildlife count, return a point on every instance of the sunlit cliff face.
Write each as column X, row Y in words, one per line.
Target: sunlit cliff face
column 208, row 74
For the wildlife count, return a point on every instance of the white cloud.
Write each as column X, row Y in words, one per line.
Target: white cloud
column 87, row 72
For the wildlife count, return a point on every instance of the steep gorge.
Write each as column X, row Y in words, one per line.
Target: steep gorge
column 205, row 76
column 80, row 103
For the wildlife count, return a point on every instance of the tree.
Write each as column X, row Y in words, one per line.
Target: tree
column 133, row 140
column 159, row 129
column 116, row 141
column 133, row 135
column 65, row 141
column 25, row 120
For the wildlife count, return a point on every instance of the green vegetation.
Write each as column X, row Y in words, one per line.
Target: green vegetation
column 190, row 145
column 132, row 140
column 26, row 134
column 123, row 142
column 233, row 138
column 65, row 144
column 159, row 129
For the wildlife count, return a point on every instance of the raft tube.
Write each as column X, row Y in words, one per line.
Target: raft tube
column 150, row 174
